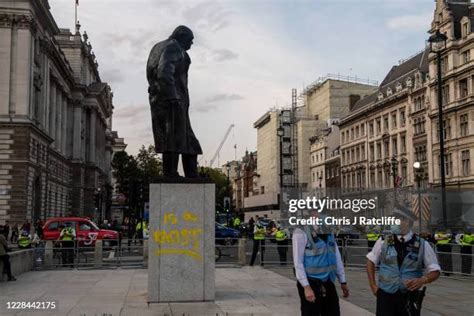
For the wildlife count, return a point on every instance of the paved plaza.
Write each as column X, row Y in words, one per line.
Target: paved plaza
column 239, row 291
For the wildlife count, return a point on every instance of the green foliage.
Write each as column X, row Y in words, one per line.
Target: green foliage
column 134, row 174
column 221, row 182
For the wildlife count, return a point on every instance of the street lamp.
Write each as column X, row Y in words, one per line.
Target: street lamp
column 437, row 45
column 281, row 133
column 227, row 167
column 418, row 176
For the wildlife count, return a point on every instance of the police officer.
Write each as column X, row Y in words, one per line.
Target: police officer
column 259, row 233
column 466, row 240
column 141, row 226
column 67, row 237
column 317, row 264
column 236, row 223
column 372, row 236
column 24, row 241
column 282, row 244
column 444, row 249
column 401, row 257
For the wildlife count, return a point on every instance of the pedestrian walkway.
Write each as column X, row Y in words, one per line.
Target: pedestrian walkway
column 239, row 291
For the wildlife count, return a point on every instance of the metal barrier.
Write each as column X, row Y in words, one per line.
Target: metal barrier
column 239, row 251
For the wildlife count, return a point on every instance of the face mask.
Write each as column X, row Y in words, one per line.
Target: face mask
column 395, row 229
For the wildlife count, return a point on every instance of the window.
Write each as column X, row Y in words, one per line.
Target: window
column 449, row 164
column 444, row 64
column 379, row 126
column 362, row 130
column 466, row 162
column 446, row 129
column 262, row 190
column 53, row 226
column 420, row 153
column 362, row 152
column 371, row 129
column 379, row 151
column 465, row 29
column 385, row 124
column 394, row 146
column 313, row 176
column 394, row 120
column 404, row 173
column 357, row 132
column 403, row 144
column 445, row 94
column 352, row 133
column 357, row 154
column 464, row 124
column 84, row 226
column 402, row 118
column 372, row 179
column 466, row 56
column 463, row 92
column 371, row 152
column 386, row 146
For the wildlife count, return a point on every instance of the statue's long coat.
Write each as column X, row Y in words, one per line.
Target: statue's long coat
column 167, row 74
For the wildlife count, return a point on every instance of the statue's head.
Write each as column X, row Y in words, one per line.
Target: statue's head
column 184, row 36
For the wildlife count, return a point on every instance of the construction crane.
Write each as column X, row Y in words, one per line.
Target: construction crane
column 221, row 144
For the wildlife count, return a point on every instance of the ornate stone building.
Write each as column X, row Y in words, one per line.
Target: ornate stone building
column 377, row 137
column 55, row 119
column 386, row 132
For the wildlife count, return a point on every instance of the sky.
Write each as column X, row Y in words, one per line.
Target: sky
column 247, row 55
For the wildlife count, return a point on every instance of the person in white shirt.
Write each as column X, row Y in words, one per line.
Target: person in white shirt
column 317, row 263
column 401, row 257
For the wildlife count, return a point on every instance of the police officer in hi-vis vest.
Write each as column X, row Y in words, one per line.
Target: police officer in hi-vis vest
column 259, row 234
column 402, row 256
column 318, row 263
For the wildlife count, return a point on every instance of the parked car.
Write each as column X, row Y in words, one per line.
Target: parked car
column 87, row 231
column 226, row 236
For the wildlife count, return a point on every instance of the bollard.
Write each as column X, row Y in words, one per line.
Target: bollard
column 241, row 252
column 48, row 253
column 98, row 253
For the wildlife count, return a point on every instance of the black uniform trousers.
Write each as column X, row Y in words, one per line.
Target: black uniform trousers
column 68, row 252
column 393, row 304
column 6, row 265
column 466, row 259
column 325, row 305
column 258, row 243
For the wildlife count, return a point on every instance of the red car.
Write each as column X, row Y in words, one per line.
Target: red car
column 87, row 231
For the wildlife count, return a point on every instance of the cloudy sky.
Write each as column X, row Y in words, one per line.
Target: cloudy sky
column 247, row 55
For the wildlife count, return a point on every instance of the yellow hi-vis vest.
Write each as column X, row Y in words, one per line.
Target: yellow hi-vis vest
column 442, row 238
column 280, row 235
column 372, row 236
column 68, row 234
column 24, row 241
column 259, row 234
column 467, row 239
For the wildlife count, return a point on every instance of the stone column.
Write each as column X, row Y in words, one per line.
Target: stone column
column 52, row 109
column 77, row 130
column 92, row 144
column 181, row 255
column 59, row 105
column 64, row 126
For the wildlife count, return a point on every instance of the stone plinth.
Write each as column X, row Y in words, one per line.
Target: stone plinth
column 181, row 249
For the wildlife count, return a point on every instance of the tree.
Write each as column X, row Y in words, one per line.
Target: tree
column 134, row 175
column 220, row 180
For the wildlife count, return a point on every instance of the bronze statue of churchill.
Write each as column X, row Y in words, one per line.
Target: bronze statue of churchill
column 167, row 74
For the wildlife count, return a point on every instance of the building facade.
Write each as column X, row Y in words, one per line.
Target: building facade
column 55, row 119
column 386, row 132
